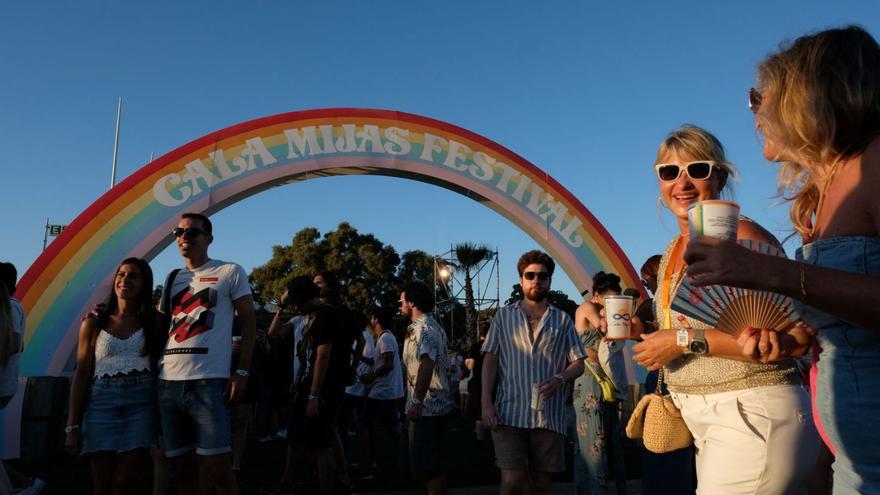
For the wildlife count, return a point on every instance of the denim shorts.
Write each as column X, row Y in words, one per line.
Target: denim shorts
column 120, row 414
column 194, row 416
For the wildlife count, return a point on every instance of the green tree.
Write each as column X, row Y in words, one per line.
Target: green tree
column 468, row 257
column 554, row 297
column 369, row 271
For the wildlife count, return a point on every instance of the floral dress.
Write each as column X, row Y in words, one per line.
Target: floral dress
column 590, row 462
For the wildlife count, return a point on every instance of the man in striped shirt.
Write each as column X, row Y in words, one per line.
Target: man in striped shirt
column 533, row 350
column 428, row 401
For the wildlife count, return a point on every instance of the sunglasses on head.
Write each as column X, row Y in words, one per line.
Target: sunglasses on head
column 189, row 232
column 755, row 100
column 542, row 276
column 699, row 170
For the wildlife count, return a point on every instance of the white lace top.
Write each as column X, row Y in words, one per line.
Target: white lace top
column 115, row 356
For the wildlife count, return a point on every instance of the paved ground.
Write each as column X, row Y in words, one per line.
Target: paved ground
column 472, row 471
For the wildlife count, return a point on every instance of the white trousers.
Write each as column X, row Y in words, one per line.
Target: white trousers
column 758, row 441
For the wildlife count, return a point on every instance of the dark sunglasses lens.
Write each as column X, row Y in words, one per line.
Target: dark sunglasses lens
column 190, row 232
column 668, row 172
column 754, row 100
column 541, row 275
column 699, row 170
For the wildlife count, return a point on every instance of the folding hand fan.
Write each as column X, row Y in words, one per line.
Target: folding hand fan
column 731, row 309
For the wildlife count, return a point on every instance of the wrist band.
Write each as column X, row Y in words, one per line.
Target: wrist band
column 314, row 397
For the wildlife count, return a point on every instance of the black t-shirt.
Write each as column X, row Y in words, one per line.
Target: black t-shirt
column 327, row 327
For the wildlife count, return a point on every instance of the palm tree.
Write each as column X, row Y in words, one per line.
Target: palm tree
column 469, row 256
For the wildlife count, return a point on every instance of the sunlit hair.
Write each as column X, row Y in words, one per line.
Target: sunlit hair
column 695, row 143
column 604, row 283
column 821, row 106
column 651, row 266
column 146, row 311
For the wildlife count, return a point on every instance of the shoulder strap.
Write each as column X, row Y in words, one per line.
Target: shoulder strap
column 166, row 295
column 589, row 366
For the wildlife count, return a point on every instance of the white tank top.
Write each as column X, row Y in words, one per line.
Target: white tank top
column 115, row 356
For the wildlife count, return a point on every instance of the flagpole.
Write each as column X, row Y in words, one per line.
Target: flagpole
column 116, row 143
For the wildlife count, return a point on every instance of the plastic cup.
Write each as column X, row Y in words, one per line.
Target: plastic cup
column 714, row 218
column 537, row 400
column 618, row 316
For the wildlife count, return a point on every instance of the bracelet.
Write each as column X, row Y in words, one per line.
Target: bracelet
column 803, row 283
column 560, row 376
column 314, row 397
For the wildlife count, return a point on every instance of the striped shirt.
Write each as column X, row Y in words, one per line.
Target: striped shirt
column 426, row 337
column 522, row 363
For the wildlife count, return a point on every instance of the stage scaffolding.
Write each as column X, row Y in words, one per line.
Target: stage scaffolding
column 450, row 294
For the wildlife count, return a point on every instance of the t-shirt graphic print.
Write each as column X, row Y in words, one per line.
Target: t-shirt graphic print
column 200, row 333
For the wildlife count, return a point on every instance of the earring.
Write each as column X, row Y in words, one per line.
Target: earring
column 660, row 202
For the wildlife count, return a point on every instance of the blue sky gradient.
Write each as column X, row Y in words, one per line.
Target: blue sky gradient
column 584, row 90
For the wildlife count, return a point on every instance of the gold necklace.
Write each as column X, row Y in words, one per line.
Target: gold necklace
column 822, row 195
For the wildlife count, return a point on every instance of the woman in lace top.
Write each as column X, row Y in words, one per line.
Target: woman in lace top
column 112, row 413
column 750, row 421
column 817, row 104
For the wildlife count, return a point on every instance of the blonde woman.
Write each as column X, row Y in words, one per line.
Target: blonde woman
column 817, row 104
column 750, row 421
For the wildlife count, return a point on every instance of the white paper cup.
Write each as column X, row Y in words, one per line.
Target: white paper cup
column 537, row 400
column 714, row 218
column 618, row 316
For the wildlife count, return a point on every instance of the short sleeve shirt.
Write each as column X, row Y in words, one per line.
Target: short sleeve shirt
column 358, row 388
column 425, row 337
column 324, row 328
column 523, row 363
column 390, row 385
column 200, row 335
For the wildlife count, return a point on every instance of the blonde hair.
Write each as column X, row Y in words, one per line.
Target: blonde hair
column 700, row 144
column 823, row 107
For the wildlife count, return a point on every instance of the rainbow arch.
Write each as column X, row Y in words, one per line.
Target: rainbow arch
column 206, row 175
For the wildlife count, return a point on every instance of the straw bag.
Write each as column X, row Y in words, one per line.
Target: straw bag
column 659, row 423
column 604, row 383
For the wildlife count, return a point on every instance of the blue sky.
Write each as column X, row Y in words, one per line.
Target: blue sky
column 584, row 90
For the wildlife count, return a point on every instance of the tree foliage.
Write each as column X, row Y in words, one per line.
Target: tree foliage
column 469, row 256
column 369, row 271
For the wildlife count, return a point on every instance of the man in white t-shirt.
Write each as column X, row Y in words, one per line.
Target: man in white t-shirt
column 194, row 380
column 386, row 386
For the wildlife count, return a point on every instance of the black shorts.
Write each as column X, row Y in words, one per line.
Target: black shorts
column 427, row 447
column 385, row 412
column 315, row 433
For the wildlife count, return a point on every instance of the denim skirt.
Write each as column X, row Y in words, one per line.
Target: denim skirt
column 120, row 414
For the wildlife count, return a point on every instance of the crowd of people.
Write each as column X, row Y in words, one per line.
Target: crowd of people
column 167, row 382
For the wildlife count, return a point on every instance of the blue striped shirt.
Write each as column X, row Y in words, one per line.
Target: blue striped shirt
column 522, row 363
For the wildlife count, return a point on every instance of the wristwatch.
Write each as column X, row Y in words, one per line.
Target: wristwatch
column 243, row 372
column 682, row 338
column 561, row 377
column 70, row 428
column 698, row 344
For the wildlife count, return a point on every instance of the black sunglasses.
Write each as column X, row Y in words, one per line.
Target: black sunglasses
column 699, row 170
column 190, row 232
column 542, row 276
column 755, row 100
